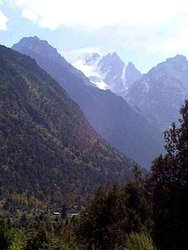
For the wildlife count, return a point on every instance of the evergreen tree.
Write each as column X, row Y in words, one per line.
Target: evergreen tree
column 112, row 214
column 169, row 180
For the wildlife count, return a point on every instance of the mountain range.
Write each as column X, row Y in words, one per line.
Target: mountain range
column 108, row 72
column 47, row 147
column 161, row 92
column 111, row 116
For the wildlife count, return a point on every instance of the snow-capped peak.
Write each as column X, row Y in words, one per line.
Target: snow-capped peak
column 87, row 63
column 89, row 58
column 106, row 72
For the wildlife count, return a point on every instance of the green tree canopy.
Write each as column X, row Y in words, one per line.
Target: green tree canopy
column 169, row 180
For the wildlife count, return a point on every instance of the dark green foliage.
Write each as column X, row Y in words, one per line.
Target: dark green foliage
column 140, row 241
column 37, row 234
column 47, row 148
column 169, row 181
column 113, row 214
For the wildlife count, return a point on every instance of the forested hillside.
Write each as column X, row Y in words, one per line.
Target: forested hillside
column 49, row 154
column 148, row 213
column 47, row 147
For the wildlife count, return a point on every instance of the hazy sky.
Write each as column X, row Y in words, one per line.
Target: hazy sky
column 145, row 32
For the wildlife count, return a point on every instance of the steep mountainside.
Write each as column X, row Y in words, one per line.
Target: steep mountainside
column 112, row 67
column 108, row 72
column 46, row 144
column 110, row 115
column 162, row 91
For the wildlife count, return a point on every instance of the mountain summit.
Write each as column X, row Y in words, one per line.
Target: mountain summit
column 33, row 46
column 108, row 72
column 162, row 91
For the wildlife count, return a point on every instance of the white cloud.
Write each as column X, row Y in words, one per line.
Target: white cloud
column 73, row 54
column 3, row 21
column 130, row 36
column 80, row 51
column 93, row 14
column 175, row 44
column 30, row 15
column 141, row 27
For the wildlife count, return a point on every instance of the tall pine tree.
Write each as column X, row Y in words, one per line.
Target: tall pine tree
column 169, row 179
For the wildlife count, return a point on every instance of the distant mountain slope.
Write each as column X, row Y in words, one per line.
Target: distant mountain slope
column 110, row 115
column 162, row 91
column 46, row 144
column 108, row 72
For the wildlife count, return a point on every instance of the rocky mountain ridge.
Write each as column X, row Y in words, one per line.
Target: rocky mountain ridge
column 108, row 72
column 161, row 92
column 112, row 117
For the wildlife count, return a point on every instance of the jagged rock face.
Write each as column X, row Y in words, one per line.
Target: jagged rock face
column 111, row 67
column 110, row 115
column 33, row 46
column 131, row 75
column 91, row 58
column 162, row 91
column 108, row 72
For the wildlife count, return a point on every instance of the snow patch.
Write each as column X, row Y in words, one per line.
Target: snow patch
column 91, row 69
column 88, row 70
column 146, row 85
column 101, row 84
column 123, row 72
